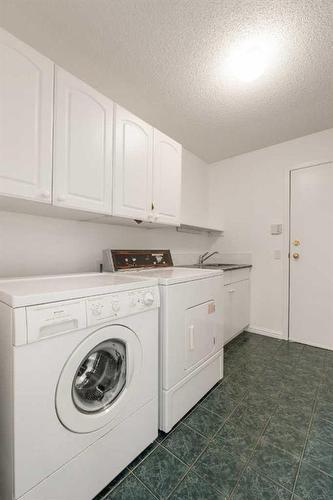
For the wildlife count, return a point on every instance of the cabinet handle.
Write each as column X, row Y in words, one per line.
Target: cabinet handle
column 152, row 205
column 231, row 291
column 191, row 337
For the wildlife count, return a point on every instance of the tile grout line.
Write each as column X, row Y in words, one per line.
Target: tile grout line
column 251, row 455
column 147, row 487
column 210, row 439
column 307, row 434
column 255, row 447
column 115, row 486
column 275, row 354
column 130, row 471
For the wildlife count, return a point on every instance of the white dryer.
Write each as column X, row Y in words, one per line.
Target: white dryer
column 191, row 327
column 78, row 382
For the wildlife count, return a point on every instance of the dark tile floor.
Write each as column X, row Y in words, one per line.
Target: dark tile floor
column 265, row 432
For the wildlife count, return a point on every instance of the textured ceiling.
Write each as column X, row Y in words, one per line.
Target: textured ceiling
column 167, row 61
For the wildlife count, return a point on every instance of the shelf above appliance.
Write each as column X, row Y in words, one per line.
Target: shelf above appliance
column 189, row 228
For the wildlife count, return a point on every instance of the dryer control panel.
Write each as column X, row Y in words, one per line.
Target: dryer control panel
column 118, row 305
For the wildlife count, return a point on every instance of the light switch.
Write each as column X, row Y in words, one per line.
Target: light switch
column 276, row 229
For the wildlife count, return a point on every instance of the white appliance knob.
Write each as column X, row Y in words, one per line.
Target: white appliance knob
column 148, row 299
column 97, row 310
column 116, row 306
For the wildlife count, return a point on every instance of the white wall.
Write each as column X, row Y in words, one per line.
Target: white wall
column 195, row 191
column 32, row 244
column 250, row 192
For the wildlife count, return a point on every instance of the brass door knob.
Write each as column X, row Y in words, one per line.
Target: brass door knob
column 296, row 255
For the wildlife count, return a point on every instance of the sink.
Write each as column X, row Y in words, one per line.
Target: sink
column 219, row 265
column 205, row 266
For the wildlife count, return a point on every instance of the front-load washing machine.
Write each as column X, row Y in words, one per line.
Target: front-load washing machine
column 191, row 327
column 78, row 382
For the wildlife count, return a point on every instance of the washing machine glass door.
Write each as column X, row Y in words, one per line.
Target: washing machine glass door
column 100, row 377
column 100, row 380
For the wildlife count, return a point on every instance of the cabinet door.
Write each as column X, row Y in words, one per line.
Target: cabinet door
column 240, row 306
column 82, row 146
column 227, row 324
column 167, row 165
column 26, row 103
column 132, row 178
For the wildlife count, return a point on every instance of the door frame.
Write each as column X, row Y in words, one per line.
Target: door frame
column 287, row 240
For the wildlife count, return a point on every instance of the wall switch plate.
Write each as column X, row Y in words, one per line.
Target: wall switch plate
column 276, row 229
column 211, row 307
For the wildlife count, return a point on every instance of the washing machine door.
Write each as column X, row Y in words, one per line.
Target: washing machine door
column 97, row 381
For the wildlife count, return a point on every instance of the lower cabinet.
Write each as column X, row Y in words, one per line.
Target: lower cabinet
column 236, row 307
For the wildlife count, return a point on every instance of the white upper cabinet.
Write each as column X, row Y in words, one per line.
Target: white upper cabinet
column 26, row 103
column 132, row 174
column 57, row 133
column 167, row 165
column 147, row 172
column 82, row 146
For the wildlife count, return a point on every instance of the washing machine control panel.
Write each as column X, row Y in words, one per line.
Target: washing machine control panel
column 118, row 305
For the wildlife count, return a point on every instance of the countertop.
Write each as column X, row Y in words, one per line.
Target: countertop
column 223, row 267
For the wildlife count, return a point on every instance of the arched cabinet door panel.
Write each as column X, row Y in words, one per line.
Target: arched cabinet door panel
column 82, row 146
column 166, row 179
column 132, row 179
column 26, row 104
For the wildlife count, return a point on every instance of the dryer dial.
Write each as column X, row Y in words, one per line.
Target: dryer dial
column 148, row 299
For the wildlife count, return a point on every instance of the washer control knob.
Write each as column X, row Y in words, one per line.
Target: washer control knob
column 148, row 299
column 115, row 306
column 96, row 309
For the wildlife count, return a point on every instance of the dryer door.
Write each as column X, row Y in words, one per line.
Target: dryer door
column 97, row 381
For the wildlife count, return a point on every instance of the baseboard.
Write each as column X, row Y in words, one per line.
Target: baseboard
column 268, row 333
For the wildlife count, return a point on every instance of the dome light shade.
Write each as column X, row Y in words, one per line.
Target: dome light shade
column 249, row 64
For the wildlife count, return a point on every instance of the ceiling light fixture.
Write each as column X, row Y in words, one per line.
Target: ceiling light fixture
column 248, row 61
column 251, row 64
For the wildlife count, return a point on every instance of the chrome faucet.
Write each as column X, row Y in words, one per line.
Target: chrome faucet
column 205, row 256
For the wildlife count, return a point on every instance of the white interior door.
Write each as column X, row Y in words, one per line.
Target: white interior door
column 311, row 256
column 26, row 103
column 82, row 146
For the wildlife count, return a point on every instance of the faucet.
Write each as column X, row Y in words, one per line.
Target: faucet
column 205, row 256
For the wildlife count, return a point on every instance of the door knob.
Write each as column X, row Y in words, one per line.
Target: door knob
column 296, row 243
column 296, row 255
